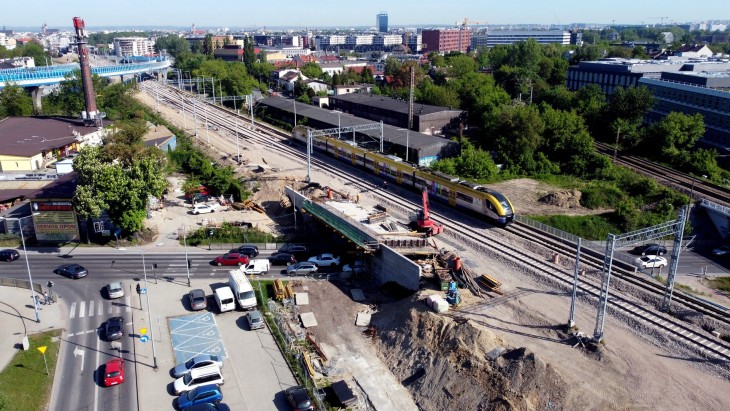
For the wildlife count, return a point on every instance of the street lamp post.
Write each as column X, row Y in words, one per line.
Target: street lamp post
column 27, row 264
column 185, row 244
column 149, row 312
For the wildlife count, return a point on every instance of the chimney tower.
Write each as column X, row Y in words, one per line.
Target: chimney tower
column 91, row 116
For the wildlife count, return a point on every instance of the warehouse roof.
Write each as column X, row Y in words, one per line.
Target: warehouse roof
column 393, row 135
column 391, row 104
column 28, row 136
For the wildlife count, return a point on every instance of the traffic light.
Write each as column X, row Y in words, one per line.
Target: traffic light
column 190, row 263
column 139, row 289
column 154, row 266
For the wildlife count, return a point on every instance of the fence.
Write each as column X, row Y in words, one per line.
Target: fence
column 25, row 284
column 597, row 247
column 280, row 316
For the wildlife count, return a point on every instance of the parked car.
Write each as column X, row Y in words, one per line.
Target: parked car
column 210, row 374
column 203, row 208
column 298, row 398
column 325, row 260
column 198, row 300
column 74, row 271
column 722, row 251
column 114, row 372
column 358, row 267
column 231, row 259
column 255, row 320
column 650, row 249
column 197, row 198
column 9, row 255
column 294, row 249
column 250, row 250
column 115, row 290
column 303, row 268
column 204, row 394
column 651, row 261
column 201, row 360
column 282, row 259
column 208, row 407
column 114, row 328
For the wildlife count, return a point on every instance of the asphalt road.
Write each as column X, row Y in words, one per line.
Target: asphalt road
column 84, row 349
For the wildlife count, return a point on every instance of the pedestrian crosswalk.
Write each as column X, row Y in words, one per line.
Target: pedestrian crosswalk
column 81, row 309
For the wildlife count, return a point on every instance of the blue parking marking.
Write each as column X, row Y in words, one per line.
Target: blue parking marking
column 195, row 334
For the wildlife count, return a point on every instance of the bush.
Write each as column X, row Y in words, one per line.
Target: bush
column 601, row 195
column 592, row 227
column 228, row 233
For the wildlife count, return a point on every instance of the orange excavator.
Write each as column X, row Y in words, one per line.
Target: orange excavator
column 422, row 219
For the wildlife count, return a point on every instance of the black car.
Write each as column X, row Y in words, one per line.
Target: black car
column 296, row 249
column 282, row 259
column 650, row 249
column 114, row 328
column 250, row 250
column 74, row 271
column 298, row 398
column 9, row 255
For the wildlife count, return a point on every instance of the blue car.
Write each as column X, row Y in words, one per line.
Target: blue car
column 204, row 394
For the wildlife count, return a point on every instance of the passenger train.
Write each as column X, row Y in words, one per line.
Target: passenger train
column 457, row 193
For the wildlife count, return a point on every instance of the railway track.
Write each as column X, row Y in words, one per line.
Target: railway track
column 686, row 183
column 268, row 135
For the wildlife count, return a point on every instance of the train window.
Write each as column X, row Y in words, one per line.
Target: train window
column 464, row 198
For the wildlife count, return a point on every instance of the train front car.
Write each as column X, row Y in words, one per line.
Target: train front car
column 503, row 207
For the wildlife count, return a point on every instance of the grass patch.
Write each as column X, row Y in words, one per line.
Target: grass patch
column 590, row 227
column 688, row 289
column 721, row 284
column 24, row 382
column 228, row 233
column 263, row 288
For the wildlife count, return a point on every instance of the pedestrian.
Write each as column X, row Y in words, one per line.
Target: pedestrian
column 385, row 185
column 47, row 297
column 38, row 302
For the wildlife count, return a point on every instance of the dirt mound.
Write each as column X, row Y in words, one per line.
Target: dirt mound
column 563, row 199
column 449, row 363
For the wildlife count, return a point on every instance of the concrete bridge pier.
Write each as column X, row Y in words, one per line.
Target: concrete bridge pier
column 35, row 94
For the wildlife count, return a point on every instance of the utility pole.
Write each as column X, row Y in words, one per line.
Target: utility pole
column 615, row 147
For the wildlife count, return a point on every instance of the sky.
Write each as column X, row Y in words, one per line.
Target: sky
column 350, row 13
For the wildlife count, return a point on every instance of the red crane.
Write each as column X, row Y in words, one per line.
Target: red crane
column 423, row 218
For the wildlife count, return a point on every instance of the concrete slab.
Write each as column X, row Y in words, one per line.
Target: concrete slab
column 357, row 294
column 308, row 320
column 363, row 319
column 195, row 334
column 301, row 298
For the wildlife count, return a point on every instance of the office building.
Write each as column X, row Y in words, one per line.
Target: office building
column 695, row 92
column 133, row 46
column 381, row 22
column 446, row 40
column 507, row 37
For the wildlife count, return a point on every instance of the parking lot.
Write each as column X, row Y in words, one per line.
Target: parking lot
column 254, row 370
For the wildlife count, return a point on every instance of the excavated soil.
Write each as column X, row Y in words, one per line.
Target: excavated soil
column 450, row 362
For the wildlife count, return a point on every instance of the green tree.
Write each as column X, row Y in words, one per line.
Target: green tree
column 461, row 65
column 631, row 103
column 249, row 55
column 676, row 134
column 566, row 140
column 517, row 135
column 36, row 51
column 15, row 101
column 70, row 97
column 312, row 70
column 208, row 48
column 429, row 93
column 174, row 44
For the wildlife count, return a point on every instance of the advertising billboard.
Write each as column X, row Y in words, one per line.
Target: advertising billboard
column 55, row 221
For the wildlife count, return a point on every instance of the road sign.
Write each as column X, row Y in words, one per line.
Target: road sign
column 144, row 338
column 42, row 349
column 143, row 291
column 142, row 331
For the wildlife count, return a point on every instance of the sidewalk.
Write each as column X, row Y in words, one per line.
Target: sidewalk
column 17, row 318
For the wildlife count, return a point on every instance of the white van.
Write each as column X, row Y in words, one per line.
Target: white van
column 242, row 290
column 256, row 267
column 224, row 298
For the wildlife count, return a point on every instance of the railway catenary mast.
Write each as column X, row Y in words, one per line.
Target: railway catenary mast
column 91, row 116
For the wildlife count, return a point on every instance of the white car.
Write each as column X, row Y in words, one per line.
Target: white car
column 203, row 208
column 210, row 374
column 115, row 290
column 651, row 261
column 358, row 267
column 325, row 260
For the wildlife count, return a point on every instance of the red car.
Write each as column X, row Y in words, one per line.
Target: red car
column 114, row 372
column 231, row 259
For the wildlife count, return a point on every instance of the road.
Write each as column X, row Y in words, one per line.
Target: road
column 83, row 349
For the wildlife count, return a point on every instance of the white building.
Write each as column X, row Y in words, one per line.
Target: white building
column 507, row 37
column 133, row 46
column 7, row 42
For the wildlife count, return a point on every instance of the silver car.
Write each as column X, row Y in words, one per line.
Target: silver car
column 198, row 361
column 115, row 290
column 255, row 320
column 303, row 268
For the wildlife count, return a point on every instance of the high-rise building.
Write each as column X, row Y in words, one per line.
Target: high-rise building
column 381, row 22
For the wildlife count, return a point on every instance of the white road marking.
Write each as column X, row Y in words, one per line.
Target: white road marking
column 82, row 309
column 101, row 309
column 90, row 331
column 78, row 351
column 91, row 308
column 70, row 335
column 128, row 302
column 72, row 313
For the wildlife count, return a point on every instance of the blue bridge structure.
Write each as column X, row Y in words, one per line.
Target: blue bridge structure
column 48, row 75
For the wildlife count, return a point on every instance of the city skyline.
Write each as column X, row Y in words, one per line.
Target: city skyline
column 328, row 13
